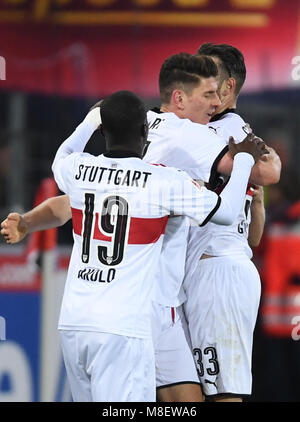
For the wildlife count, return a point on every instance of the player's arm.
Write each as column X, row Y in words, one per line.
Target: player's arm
column 256, row 227
column 53, row 212
column 79, row 138
column 65, row 158
column 224, row 208
column 265, row 172
column 232, row 197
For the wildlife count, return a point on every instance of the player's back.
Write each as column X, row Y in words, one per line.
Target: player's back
column 120, row 208
column 118, row 223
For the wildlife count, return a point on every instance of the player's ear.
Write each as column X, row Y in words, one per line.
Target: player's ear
column 178, row 98
column 227, row 87
column 231, row 84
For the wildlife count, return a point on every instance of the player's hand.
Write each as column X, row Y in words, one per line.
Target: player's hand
column 94, row 115
column 14, row 228
column 251, row 144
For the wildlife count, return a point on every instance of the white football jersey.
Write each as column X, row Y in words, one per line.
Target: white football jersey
column 120, row 208
column 194, row 148
column 180, row 143
column 219, row 240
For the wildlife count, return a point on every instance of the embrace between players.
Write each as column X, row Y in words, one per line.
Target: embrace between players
column 170, row 211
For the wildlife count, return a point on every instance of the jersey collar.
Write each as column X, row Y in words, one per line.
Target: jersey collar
column 156, row 110
column 218, row 116
column 213, row 119
column 121, row 154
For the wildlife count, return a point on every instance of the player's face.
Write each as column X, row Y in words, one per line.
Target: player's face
column 201, row 103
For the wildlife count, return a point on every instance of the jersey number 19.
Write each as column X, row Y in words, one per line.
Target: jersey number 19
column 113, row 222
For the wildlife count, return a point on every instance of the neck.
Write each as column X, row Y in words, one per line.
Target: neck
column 126, row 150
column 121, row 153
column 227, row 103
column 169, row 108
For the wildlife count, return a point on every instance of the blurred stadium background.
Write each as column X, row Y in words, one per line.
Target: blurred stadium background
column 57, row 58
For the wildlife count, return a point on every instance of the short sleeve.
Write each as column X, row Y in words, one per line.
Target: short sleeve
column 64, row 169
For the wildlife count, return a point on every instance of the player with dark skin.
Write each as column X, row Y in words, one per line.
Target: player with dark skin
column 56, row 211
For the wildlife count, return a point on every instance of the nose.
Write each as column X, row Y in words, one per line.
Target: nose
column 216, row 101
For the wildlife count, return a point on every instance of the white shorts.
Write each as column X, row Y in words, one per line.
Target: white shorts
column 222, row 303
column 103, row 367
column 174, row 361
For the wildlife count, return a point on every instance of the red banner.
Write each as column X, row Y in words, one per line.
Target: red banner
column 95, row 47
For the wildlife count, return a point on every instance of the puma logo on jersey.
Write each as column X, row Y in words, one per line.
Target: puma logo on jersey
column 213, row 129
column 210, row 382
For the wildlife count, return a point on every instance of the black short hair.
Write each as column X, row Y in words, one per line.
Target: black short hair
column 123, row 115
column 232, row 61
column 185, row 71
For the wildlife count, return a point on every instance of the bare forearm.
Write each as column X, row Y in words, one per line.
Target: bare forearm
column 256, row 227
column 53, row 212
column 265, row 172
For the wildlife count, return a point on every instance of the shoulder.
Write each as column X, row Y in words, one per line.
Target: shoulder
column 151, row 115
column 194, row 131
column 235, row 119
column 155, row 117
column 76, row 158
column 229, row 120
column 165, row 171
column 230, row 124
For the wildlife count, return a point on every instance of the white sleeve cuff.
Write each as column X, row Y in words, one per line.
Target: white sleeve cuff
column 244, row 158
column 94, row 118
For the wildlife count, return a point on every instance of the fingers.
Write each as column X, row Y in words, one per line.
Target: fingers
column 232, row 147
column 261, row 145
column 249, row 137
column 13, row 216
column 9, row 228
column 263, row 148
column 5, row 232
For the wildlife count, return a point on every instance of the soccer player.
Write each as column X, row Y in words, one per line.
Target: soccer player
column 222, row 284
column 196, row 84
column 120, row 206
column 188, row 90
column 197, row 78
